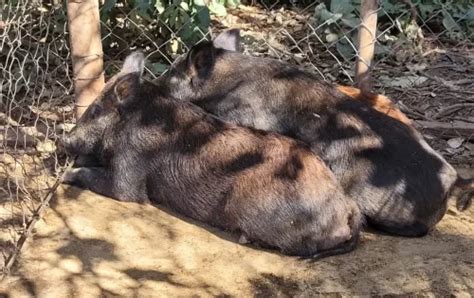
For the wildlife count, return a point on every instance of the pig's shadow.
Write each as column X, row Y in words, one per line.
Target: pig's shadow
column 73, row 192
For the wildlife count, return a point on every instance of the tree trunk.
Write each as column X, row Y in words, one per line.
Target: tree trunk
column 86, row 51
column 367, row 39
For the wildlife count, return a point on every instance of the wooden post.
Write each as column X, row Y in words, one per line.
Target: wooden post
column 86, row 51
column 366, row 41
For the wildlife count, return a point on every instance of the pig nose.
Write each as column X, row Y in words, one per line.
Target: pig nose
column 64, row 144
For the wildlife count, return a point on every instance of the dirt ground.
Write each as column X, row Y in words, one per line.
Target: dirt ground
column 88, row 246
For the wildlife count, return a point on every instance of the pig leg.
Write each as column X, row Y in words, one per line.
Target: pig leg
column 101, row 181
column 87, row 161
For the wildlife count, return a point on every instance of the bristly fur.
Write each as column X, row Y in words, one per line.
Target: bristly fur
column 270, row 188
column 399, row 182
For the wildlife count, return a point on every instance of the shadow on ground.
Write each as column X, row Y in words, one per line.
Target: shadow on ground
column 88, row 245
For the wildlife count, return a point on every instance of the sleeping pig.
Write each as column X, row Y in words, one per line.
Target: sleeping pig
column 399, row 182
column 271, row 189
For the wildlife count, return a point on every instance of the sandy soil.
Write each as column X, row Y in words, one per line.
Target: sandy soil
column 88, row 245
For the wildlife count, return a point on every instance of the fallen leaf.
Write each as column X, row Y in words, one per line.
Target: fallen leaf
column 453, row 151
column 416, row 67
column 299, row 57
column 332, row 37
column 47, row 146
column 403, row 82
column 469, row 146
column 455, row 142
column 279, row 19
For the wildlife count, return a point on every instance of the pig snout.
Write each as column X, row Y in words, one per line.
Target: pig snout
column 70, row 145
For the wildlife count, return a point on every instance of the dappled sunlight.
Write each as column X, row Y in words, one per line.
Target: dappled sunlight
column 88, row 244
column 92, row 245
column 78, row 243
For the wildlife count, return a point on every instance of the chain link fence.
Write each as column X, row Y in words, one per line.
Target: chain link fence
column 423, row 60
column 35, row 106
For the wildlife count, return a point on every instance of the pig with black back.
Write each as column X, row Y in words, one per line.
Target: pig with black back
column 268, row 187
column 399, row 182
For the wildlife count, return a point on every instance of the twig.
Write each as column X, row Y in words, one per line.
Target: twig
column 462, row 98
column 454, row 66
column 410, row 111
column 413, row 12
column 438, row 51
column 463, row 119
column 463, row 81
column 16, row 151
column 448, row 84
column 451, row 109
column 29, row 227
column 455, row 129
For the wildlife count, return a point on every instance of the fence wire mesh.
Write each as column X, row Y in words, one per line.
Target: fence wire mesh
column 423, row 60
column 34, row 109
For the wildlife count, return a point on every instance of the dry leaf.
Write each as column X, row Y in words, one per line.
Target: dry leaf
column 417, row 67
column 47, row 146
column 403, row 82
column 455, row 142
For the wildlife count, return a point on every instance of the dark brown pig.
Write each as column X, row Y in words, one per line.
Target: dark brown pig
column 399, row 182
column 268, row 187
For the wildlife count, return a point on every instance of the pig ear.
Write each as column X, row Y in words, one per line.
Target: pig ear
column 134, row 63
column 128, row 81
column 126, row 87
column 201, row 59
column 228, row 40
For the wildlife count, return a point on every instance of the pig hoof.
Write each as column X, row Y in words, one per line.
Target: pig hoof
column 71, row 176
column 243, row 239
